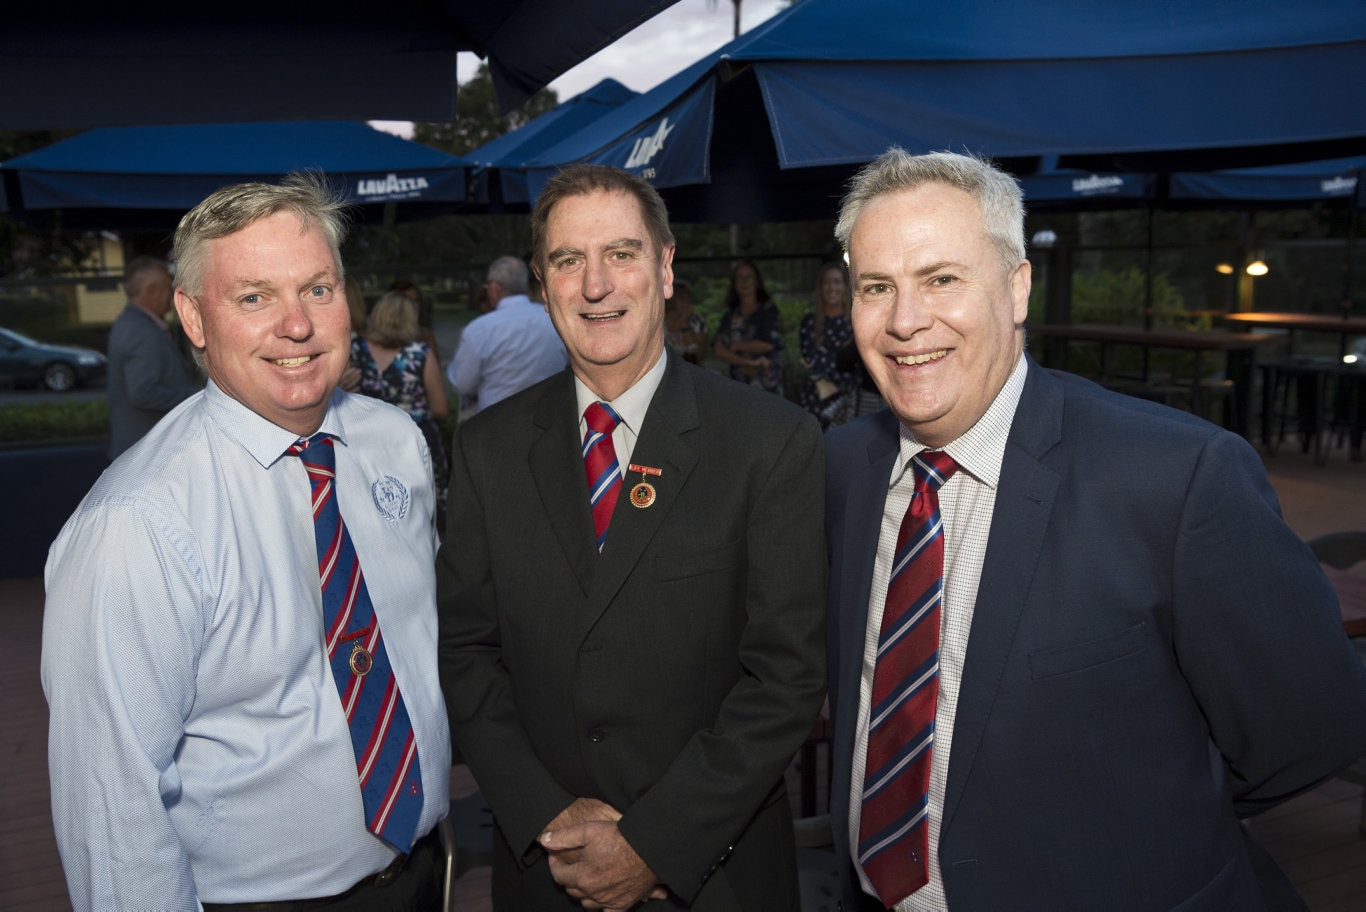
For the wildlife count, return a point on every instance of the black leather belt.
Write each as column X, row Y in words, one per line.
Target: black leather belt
column 429, row 843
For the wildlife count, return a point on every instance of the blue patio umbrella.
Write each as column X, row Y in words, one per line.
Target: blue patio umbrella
column 771, row 125
column 147, row 177
column 499, row 180
column 85, row 63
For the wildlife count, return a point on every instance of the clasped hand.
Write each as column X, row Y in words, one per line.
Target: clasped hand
column 592, row 860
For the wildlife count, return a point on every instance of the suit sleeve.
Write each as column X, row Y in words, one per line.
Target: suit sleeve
column 1259, row 636
column 684, row 826
column 479, row 698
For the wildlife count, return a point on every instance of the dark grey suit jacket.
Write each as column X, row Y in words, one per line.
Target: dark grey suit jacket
column 675, row 674
column 147, row 377
column 1153, row 654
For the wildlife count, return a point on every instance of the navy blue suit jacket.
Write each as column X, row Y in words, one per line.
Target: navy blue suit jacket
column 1153, row 654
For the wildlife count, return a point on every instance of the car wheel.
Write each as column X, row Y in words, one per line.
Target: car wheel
column 59, row 377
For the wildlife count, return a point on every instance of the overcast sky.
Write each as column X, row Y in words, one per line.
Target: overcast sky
column 642, row 59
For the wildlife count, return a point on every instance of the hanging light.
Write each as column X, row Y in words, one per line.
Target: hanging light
column 1224, row 268
column 1258, row 267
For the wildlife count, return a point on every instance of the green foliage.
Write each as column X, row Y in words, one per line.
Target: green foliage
column 1118, row 297
column 478, row 119
column 31, row 424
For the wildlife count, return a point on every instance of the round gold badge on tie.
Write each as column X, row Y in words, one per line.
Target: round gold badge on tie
column 361, row 661
column 642, row 495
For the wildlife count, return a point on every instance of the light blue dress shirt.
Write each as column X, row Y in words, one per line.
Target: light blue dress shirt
column 197, row 746
column 505, row 351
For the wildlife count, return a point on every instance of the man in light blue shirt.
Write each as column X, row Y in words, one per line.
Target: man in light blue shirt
column 199, row 752
column 511, row 347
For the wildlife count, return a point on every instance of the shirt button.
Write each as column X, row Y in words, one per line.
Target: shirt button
column 596, row 734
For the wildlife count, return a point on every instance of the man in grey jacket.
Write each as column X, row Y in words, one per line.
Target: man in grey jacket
column 148, row 376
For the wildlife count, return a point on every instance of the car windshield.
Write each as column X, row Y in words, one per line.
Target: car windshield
column 20, row 337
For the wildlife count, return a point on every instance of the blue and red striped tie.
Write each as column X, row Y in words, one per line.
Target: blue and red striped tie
column 381, row 733
column 893, row 826
column 600, row 465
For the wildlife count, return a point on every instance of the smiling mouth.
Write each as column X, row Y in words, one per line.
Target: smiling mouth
column 594, row 318
column 293, row 362
column 926, row 358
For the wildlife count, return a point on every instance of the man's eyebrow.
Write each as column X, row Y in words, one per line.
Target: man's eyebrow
column 632, row 243
column 559, row 252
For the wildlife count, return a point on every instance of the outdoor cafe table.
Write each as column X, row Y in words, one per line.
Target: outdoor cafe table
column 1301, row 322
column 1239, row 348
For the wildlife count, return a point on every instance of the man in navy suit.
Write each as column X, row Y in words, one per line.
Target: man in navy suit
column 1134, row 650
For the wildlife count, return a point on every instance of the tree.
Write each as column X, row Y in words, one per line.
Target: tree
column 478, row 119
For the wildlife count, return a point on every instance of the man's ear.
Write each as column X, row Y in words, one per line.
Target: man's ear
column 188, row 309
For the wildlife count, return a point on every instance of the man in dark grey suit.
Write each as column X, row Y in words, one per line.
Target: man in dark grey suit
column 1134, row 651
column 148, row 376
column 629, row 709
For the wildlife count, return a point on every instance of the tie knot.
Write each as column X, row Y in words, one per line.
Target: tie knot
column 932, row 469
column 601, row 418
column 316, row 449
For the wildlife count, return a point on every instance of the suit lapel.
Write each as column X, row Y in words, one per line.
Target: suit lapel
column 667, row 441
column 556, row 462
column 1024, row 503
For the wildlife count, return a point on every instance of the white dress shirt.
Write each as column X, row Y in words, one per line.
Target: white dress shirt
column 198, row 749
column 966, row 503
column 630, row 406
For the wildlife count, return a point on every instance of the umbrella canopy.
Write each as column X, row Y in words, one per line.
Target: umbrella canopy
column 771, row 124
column 87, row 64
column 1294, row 184
column 147, row 177
column 500, row 182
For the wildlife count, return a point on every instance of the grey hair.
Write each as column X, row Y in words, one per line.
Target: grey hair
column 997, row 193
column 230, row 209
column 138, row 270
column 510, row 272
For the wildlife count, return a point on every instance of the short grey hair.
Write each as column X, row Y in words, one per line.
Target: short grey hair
column 510, row 272
column 137, row 272
column 997, row 193
column 230, row 209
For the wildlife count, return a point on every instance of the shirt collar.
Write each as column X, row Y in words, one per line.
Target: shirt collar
column 980, row 449
column 630, row 405
column 264, row 440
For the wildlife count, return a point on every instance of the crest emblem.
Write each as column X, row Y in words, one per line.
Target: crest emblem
column 391, row 498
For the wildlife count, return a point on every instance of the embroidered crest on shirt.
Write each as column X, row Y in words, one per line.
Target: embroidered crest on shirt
column 391, row 497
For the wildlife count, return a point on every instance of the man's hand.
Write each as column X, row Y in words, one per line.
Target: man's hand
column 597, row 866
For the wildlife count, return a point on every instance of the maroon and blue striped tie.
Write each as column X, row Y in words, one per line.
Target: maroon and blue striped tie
column 381, row 733
column 600, row 465
column 893, row 826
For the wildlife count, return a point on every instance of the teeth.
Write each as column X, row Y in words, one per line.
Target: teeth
column 293, row 362
column 921, row 359
column 607, row 316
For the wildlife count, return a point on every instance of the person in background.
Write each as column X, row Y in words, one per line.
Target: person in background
column 148, row 375
column 1072, row 643
column 239, row 640
column 355, row 305
column 426, row 331
column 508, row 348
column 399, row 368
column 750, row 338
column 685, row 328
column 828, row 392
column 629, row 672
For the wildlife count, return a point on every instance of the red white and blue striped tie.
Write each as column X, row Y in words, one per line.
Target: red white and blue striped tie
column 381, row 733
column 893, row 826
column 600, row 465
